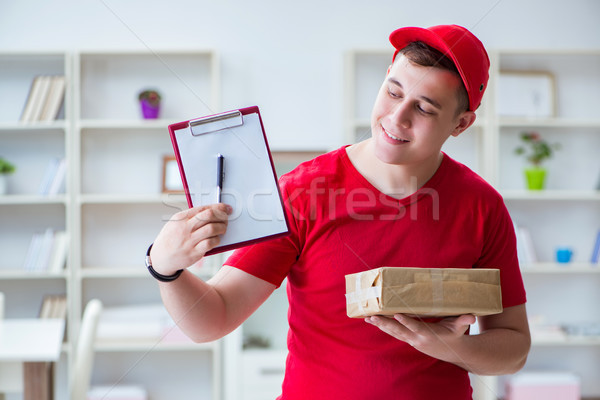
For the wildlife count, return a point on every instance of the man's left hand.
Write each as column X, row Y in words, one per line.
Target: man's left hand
column 435, row 339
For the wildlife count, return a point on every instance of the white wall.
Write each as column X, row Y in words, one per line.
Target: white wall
column 287, row 57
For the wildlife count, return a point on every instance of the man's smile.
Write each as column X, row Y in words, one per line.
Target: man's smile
column 394, row 137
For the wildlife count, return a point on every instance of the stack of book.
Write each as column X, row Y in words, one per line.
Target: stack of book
column 595, row 259
column 54, row 178
column 45, row 99
column 54, row 306
column 117, row 392
column 139, row 322
column 47, row 251
column 525, row 248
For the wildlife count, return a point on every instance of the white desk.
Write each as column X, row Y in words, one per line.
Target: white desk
column 28, row 348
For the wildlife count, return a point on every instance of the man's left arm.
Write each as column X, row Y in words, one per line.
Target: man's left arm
column 500, row 348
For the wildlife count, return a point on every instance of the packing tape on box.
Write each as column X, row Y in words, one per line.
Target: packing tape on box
column 436, row 277
column 361, row 295
column 437, row 290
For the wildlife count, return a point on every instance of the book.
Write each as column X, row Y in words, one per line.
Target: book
column 525, row 249
column 58, row 255
column 57, row 184
column 54, row 177
column 54, row 306
column 45, row 98
column 48, row 176
column 595, row 259
column 31, row 99
column 54, row 99
column 41, row 95
column 32, row 252
column 47, row 251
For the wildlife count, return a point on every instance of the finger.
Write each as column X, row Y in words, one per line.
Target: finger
column 188, row 213
column 207, row 244
column 410, row 323
column 209, row 214
column 467, row 319
column 390, row 326
column 209, row 230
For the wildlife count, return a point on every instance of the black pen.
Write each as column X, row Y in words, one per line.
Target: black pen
column 220, row 175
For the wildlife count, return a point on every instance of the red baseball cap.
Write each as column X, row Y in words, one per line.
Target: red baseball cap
column 461, row 46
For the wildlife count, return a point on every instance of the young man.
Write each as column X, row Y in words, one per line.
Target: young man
column 392, row 200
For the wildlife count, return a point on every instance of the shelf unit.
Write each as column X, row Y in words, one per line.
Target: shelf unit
column 566, row 213
column 118, row 204
column 112, row 207
column 23, row 212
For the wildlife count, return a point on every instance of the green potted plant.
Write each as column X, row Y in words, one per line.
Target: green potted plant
column 536, row 150
column 150, row 103
column 6, row 168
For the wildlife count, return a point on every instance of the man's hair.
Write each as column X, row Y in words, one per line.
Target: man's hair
column 426, row 56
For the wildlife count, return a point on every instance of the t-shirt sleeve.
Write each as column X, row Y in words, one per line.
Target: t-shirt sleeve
column 500, row 251
column 271, row 260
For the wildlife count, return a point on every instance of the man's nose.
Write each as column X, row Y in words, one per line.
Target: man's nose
column 401, row 114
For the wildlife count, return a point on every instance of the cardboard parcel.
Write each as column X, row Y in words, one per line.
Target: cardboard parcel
column 431, row 292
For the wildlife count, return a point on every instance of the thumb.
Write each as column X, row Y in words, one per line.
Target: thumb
column 467, row 319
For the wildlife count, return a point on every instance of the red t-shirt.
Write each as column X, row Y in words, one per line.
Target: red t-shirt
column 341, row 224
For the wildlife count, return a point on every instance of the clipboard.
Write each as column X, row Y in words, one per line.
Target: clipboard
column 249, row 182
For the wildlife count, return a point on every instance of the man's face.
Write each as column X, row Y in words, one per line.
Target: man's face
column 414, row 113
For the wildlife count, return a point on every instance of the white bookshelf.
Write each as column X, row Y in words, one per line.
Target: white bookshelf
column 119, row 205
column 566, row 213
column 112, row 207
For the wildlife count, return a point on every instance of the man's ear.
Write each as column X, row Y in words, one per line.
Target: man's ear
column 465, row 120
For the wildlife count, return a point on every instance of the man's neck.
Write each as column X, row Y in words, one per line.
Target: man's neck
column 398, row 181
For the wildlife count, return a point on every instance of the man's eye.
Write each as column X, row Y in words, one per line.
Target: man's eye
column 394, row 95
column 424, row 111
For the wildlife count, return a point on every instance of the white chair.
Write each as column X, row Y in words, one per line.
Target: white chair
column 484, row 387
column 2, row 317
column 84, row 354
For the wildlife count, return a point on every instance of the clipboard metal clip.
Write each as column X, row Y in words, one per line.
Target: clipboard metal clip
column 215, row 123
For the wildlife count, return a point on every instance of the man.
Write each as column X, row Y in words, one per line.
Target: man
column 392, row 200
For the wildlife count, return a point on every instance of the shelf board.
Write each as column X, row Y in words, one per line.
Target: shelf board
column 549, row 195
column 135, row 272
column 27, row 199
column 568, row 341
column 23, row 274
column 114, row 272
column 150, row 345
column 126, row 123
column 555, row 268
column 32, row 126
column 149, row 198
column 523, row 122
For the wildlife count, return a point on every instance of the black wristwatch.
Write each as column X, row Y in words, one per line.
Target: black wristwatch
column 156, row 275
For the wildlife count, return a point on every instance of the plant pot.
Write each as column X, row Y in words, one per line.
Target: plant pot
column 3, row 184
column 149, row 111
column 536, row 178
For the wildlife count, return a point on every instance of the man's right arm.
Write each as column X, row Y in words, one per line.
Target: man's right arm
column 205, row 311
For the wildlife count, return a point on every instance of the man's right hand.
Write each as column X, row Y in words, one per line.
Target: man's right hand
column 187, row 236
